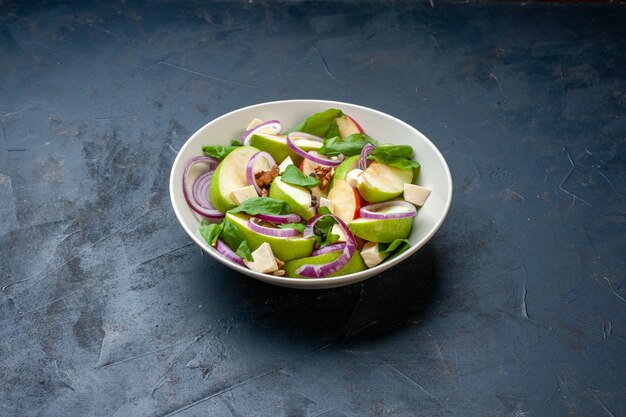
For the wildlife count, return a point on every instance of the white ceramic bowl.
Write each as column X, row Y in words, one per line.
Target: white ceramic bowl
column 434, row 174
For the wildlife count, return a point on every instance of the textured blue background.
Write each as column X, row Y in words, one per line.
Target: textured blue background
column 516, row 308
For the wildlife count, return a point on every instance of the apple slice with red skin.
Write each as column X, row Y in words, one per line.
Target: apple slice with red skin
column 346, row 201
column 347, row 126
column 307, row 166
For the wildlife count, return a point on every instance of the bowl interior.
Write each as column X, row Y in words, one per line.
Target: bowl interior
column 434, row 173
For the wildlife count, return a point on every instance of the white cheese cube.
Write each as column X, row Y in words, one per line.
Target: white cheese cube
column 416, row 194
column 263, row 260
column 254, row 123
column 239, row 195
column 337, row 230
column 353, row 177
column 371, row 255
column 324, row 202
column 283, row 165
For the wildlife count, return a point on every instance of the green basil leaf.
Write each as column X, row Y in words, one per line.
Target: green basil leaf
column 333, row 131
column 323, row 227
column 231, row 236
column 244, row 251
column 397, row 245
column 399, row 156
column 294, row 176
column 298, row 226
column 210, row 231
column 319, row 124
column 262, row 205
column 236, row 143
column 348, row 146
column 394, row 248
column 218, row 151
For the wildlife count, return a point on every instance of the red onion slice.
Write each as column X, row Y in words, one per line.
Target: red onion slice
column 250, row 171
column 199, row 200
column 372, row 211
column 228, row 252
column 317, row 159
column 324, row 270
column 328, row 249
column 254, row 225
column 365, row 152
column 275, row 125
column 279, row 218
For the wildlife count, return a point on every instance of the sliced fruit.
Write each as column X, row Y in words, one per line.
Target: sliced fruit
column 342, row 170
column 356, row 264
column 384, row 231
column 380, row 182
column 346, row 200
column 275, row 145
column 230, row 175
column 298, row 198
column 306, row 144
column 284, row 248
column 347, row 126
column 307, row 166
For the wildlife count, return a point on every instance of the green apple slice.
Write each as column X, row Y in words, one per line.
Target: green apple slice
column 381, row 231
column 356, row 264
column 346, row 200
column 380, row 182
column 298, row 198
column 230, row 175
column 306, row 144
column 342, row 170
column 284, row 248
column 275, row 145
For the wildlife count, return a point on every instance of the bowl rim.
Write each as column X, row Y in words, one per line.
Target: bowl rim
column 313, row 283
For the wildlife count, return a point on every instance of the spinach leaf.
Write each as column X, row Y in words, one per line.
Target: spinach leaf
column 231, row 236
column 319, row 124
column 262, row 205
column 349, row 146
column 394, row 248
column 210, row 231
column 298, row 226
column 399, row 156
column 244, row 251
column 333, row 131
column 294, row 176
column 323, row 228
column 218, row 151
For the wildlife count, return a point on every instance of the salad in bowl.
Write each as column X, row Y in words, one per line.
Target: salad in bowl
column 307, row 198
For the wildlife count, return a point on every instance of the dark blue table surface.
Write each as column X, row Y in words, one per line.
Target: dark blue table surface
column 516, row 308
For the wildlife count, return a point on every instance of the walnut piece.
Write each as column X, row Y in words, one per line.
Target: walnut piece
column 265, row 178
column 324, row 174
column 279, row 272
